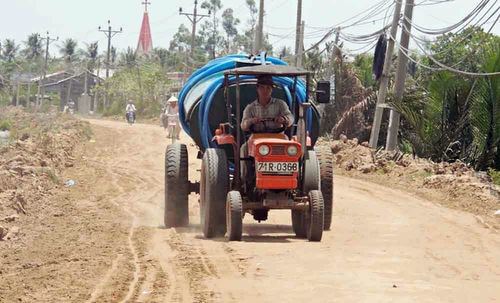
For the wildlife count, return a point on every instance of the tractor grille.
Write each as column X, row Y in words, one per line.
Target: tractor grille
column 278, row 150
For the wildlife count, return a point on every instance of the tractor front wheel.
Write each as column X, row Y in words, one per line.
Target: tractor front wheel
column 234, row 215
column 315, row 216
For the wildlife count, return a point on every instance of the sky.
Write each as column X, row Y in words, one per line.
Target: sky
column 80, row 19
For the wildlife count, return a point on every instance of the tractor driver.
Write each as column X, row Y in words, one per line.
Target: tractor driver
column 264, row 113
column 266, row 107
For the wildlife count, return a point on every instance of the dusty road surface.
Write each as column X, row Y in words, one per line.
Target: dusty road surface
column 109, row 243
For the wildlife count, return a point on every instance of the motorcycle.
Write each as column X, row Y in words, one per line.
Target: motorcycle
column 130, row 117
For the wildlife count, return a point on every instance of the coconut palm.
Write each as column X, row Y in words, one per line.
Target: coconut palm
column 68, row 50
column 33, row 47
column 485, row 114
column 438, row 121
column 128, row 58
column 91, row 53
column 9, row 51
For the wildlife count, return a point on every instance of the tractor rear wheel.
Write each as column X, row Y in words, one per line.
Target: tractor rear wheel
column 176, row 186
column 325, row 158
column 213, row 190
column 315, row 216
column 311, row 178
column 234, row 215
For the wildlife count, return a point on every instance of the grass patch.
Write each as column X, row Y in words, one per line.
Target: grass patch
column 5, row 125
column 423, row 175
column 495, row 175
column 51, row 174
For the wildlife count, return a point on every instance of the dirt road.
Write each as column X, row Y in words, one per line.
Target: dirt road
column 384, row 246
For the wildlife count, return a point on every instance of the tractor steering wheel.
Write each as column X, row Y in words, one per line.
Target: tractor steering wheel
column 266, row 128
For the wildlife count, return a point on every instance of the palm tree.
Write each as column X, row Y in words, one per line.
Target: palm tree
column 33, row 47
column 128, row 58
column 91, row 53
column 68, row 50
column 485, row 114
column 439, row 123
column 9, row 51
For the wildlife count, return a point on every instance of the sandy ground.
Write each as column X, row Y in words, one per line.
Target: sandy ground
column 103, row 240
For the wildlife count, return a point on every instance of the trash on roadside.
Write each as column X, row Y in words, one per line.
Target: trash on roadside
column 69, row 183
column 92, row 140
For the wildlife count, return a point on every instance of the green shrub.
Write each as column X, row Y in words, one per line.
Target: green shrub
column 495, row 175
column 5, row 125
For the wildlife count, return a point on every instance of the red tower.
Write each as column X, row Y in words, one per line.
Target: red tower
column 145, row 44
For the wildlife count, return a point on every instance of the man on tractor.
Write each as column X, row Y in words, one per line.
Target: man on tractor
column 263, row 115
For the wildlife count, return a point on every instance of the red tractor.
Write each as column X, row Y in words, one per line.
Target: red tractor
column 284, row 170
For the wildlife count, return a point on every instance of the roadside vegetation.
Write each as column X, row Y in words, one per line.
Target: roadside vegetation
column 446, row 116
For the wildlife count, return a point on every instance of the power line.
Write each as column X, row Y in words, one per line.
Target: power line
column 464, row 20
column 406, row 53
column 448, row 68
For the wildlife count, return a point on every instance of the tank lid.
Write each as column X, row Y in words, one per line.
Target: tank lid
column 274, row 70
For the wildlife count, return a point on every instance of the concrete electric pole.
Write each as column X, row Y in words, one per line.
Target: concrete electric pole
column 300, row 52
column 384, row 80
column 194, row 18
column 48, row 40
column 399, row 86
column 259, row 34
column 110, row 34
column 298, row 31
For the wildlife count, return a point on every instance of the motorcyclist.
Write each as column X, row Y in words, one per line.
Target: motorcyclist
column 172, row 115
column 130, row 110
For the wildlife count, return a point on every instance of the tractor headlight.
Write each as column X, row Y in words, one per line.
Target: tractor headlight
column 292, row 150
column 264, row 150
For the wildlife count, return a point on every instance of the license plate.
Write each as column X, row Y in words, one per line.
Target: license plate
column 277, row 167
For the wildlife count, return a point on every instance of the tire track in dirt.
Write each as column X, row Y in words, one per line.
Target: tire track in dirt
column 105, row 281
column 139, row 204
column 117, row 172
column 193, row 259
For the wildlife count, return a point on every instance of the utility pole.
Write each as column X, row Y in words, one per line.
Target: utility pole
column 214, row 34
column 110, row 34
column 384, row 79
column 300, row 52
column 259, row 35
column 195, row 18
column 337, row 76
column 45, row 67
column 392, row 134
column 298, row 31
